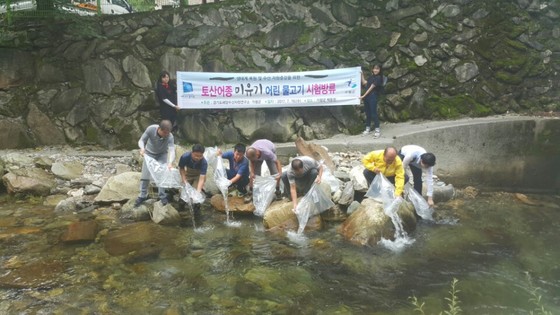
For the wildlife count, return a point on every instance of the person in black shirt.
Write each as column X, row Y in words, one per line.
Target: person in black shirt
column 166, row 93
column 374, row 86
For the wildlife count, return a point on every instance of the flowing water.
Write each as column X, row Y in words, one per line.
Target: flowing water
column 490, row 244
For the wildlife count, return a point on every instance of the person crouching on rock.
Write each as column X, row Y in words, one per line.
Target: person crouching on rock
column 238, row 171
column 388, row 163
column 300, row 176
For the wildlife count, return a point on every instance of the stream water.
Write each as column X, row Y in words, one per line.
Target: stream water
column 502, row 252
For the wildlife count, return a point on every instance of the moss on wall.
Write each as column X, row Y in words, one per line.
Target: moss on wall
column 456, row 106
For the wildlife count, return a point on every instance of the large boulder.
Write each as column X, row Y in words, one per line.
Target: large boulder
column 17, row 67
column 31, row 181
column 280, row 217
column 13, row 134
column 67, row 170
column 369, row 223
column 236, row 204
column 119, row 188
column 80, row 232
column 142, row 238
column 315, row 151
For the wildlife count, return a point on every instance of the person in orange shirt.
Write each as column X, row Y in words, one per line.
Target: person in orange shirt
column 388, row 163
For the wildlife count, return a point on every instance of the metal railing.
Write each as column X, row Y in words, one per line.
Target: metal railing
column 14, row 9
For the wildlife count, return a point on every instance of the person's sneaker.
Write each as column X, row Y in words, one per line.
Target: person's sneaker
column 278, row 194
column 139, row 201
column 164, row 201
column 367, row 131
column 376, row 133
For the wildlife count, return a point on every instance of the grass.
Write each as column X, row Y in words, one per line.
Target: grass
column 536, row 299
column 452, row 302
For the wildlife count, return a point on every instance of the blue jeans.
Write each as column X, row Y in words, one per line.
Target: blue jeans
column 370, row 106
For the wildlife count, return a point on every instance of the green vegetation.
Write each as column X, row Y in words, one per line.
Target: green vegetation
column 452, row 302
column 536, row 299
column 364, row 38
column 455, row 106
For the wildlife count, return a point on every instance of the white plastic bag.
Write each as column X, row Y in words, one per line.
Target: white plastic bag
column 191, row 195
column 162, row 176
column 210, row 154
column 329, row 178
column 264, row 188
column 420, row 205
column 220, row 177
column 314, row 202
column 382, row 190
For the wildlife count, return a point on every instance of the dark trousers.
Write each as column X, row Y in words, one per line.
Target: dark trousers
column 241, row 184
column 303, row 184
column 370, row 107
column 370, row 176
column 416, row 175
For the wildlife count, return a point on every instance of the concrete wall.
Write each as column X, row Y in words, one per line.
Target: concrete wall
column 520, row 154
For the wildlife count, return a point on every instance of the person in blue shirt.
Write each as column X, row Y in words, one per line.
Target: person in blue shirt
column 193, row 167
column 238, row 172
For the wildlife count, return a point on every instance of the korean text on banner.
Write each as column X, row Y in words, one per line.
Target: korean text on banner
column 209, row 90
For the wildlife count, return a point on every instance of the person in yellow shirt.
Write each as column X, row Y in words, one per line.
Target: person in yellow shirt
column 388, row 163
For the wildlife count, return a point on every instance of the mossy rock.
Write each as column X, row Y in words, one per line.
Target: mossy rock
column 455, row 106
column 365, row 39
column 508, row 78
column 91, row 134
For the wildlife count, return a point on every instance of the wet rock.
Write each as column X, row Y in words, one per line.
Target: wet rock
column 368, row 224
column 236, row 204
column 13, row 232
column 67, row 205
column 119, row 188
column 352, row 207
column 280, row 217
column 165, row 214
column 42, row 274
column 140, row 213
column 137, row 236
column 443, row 192
column 53, row 200
column 80, row 232
column 334, row 214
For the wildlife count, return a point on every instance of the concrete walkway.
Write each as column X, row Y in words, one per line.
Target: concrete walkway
column 392, row 132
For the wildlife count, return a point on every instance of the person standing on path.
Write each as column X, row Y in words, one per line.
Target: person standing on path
column 156, row 142
column 166, row 94
column 416, row 159
column 374, row 86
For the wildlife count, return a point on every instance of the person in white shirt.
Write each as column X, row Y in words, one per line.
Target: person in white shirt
column 416, row 159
